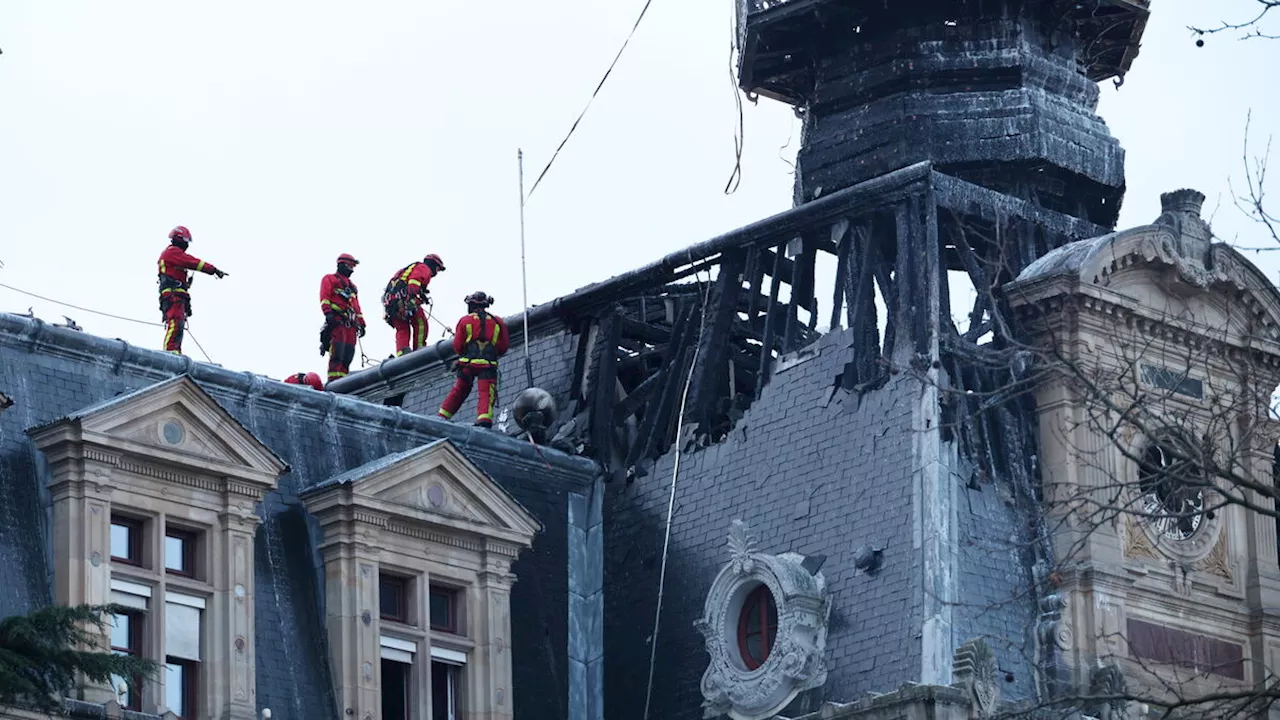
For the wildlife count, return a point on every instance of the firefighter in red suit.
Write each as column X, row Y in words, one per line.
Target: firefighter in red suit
column 175, row 286
column 343, row 320
column 310, row 379
column 479, row 340
column 403, row 301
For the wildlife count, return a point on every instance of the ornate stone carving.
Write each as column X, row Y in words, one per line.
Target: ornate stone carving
column 974, row 668
column 1054, row 637
column 1107, row 684
column 1180, row 212
column 1136, row 543
column 1218, row 561
column 794, row 664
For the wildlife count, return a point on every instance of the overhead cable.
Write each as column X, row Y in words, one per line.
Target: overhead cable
column 187, row 327
column 582, row 114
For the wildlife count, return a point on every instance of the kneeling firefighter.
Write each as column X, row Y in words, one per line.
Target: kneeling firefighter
column 403, row 302
column 479, row 340
column 175, row 286
column 343, row 320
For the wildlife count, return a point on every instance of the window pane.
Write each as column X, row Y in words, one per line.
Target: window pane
column 120, row 537
column 391, row 599
column 120, row 636
column 175, row 686
column 444, row 691
column 442, row 609
column 181, row 631
column 175, row 554
column 395, row 690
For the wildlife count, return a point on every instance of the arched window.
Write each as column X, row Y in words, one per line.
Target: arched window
column 757, row 627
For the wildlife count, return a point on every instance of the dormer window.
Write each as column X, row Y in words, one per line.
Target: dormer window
column 446, row 535
column 154, row 496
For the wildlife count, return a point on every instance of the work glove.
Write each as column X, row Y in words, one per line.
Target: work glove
column 360, row 330
column 220, row 274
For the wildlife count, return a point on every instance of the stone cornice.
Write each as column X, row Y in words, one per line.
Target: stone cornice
column 1051, row 300
column 343, row 515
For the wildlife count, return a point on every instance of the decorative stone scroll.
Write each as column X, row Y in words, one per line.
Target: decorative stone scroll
column 974, row 668
column 794, row 664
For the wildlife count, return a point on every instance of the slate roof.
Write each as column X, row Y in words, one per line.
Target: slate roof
column 357, row 474
column 53, row 373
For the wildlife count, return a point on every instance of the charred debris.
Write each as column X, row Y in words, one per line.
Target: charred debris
column 947, row 144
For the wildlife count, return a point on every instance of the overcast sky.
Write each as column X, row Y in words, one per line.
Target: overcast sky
column 285, row 133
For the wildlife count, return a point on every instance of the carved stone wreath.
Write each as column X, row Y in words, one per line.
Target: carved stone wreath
column 794, row 664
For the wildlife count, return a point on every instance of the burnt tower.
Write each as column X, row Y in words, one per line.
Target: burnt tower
column 1000, row 93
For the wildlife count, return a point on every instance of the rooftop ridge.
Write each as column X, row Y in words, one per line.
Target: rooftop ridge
column 32, row 335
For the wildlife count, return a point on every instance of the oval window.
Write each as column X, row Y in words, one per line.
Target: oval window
column 757, row 627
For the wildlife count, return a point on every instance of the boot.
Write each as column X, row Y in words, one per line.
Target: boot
column 484, row 423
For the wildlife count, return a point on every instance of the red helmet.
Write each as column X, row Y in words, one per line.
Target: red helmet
column 434, row 259
column 310, row 378
column 346, row 258
column 478, row 298
column 180, row 233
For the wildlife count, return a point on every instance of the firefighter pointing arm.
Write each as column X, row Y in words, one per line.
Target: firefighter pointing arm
column 479, row 340
column 343, row 319
column 175, row 286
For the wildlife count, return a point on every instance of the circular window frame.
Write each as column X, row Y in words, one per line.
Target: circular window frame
column 770, row 633
column 162, row 429
column 795, row 661
column 1199, row 543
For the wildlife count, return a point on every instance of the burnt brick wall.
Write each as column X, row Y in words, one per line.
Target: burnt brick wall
column 807, row 478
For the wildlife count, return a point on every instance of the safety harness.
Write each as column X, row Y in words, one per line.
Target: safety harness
column 480, row 352
column 174, row 290
column 347, row 291
column 398, row 303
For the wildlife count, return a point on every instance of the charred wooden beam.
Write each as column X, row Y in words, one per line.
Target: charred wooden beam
column 644, row 331
column 656, row 416
column 722, row 306
column 862, row 260
column 604, row 389
column 637, row 398
column 840, row 232
column 766, row 348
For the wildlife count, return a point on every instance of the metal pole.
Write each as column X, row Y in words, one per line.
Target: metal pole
column 524, row 276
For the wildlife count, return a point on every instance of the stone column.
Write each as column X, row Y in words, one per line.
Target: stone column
column 489, row 672
column 81, row 492
column 351, row 615
column 229, row 652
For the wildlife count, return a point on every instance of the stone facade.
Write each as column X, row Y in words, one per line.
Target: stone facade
column 1162, row 351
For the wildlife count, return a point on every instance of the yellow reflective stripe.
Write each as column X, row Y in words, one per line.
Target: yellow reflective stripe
column 476, row 361
column 468, row 332
column 415, row 281
column 408, row 271
column 161, row 267
column 445, row 413
column 200, row 266
column 497, row 330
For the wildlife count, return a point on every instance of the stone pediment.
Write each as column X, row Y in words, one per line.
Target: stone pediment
column 433, row 485
column 176, row 422
column 1169, row 270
